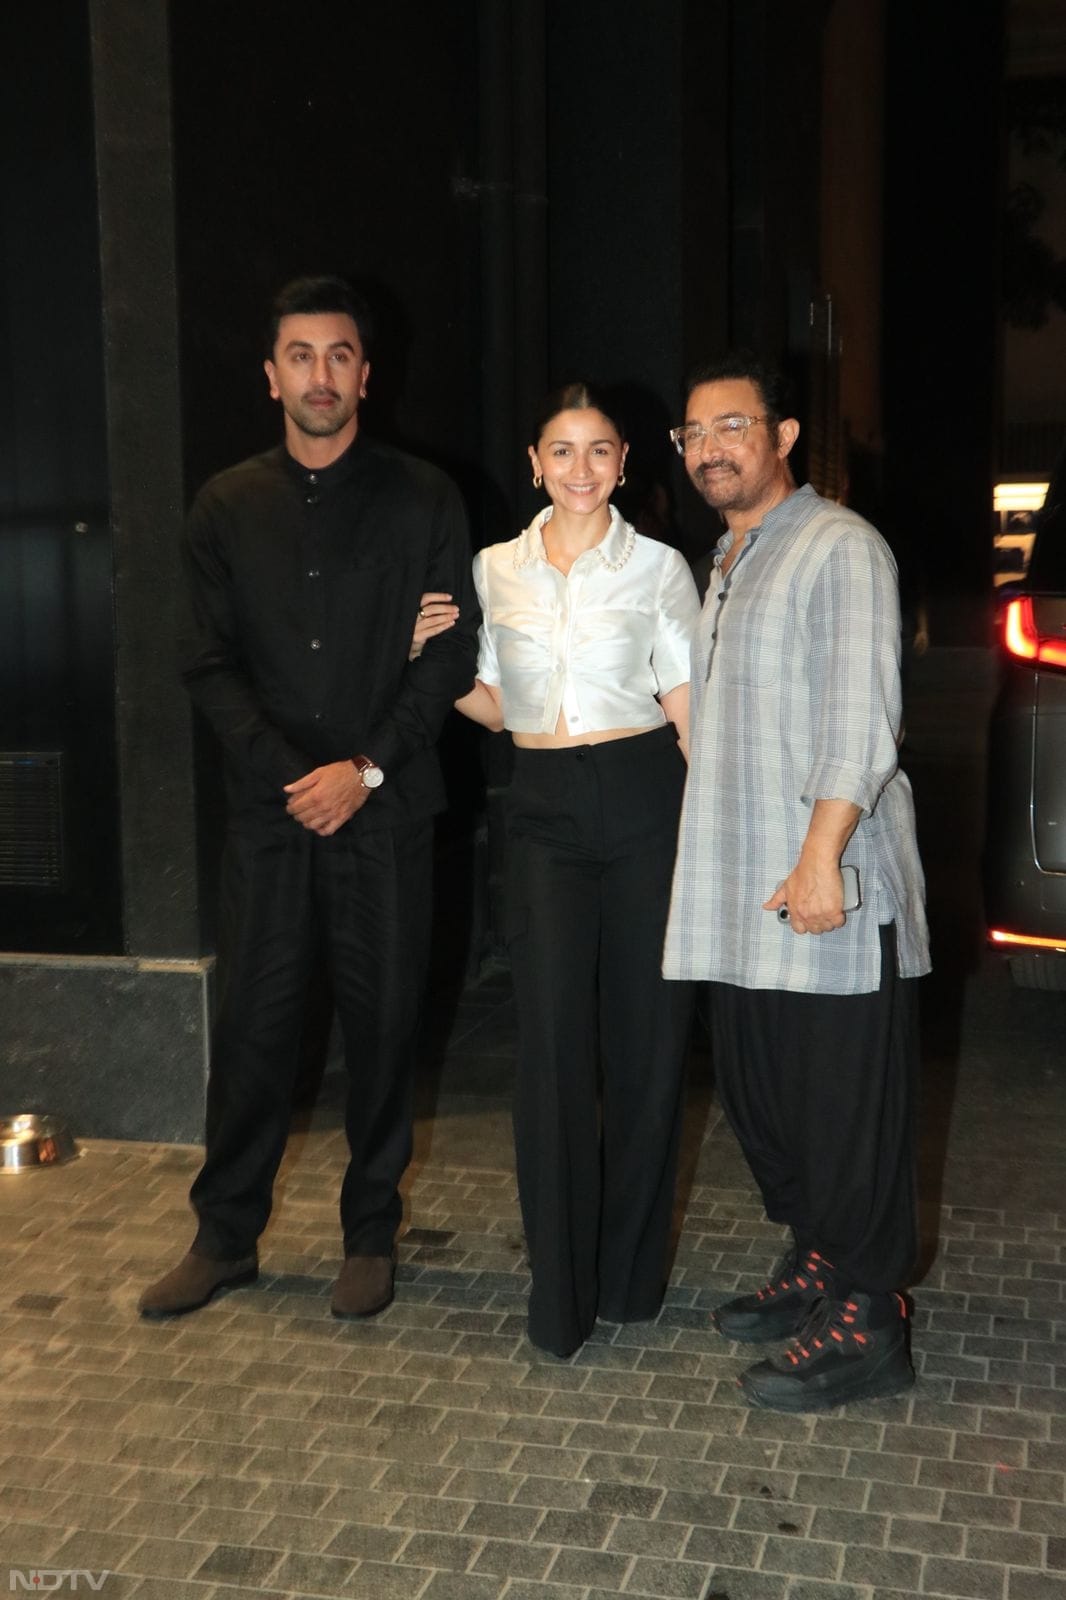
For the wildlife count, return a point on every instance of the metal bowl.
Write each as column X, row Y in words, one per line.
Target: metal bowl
column 34, row 1139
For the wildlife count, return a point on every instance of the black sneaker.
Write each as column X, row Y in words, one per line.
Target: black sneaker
column 853, row 1349
column 778, row 1309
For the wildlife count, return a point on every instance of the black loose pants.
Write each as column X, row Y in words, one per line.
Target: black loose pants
column 362, row 897
column 592, row 833
column 820, row 1092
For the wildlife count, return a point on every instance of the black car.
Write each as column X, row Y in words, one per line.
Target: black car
column 1025, row 845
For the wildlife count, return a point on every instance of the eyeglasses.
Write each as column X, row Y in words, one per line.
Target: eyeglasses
column 723, row 430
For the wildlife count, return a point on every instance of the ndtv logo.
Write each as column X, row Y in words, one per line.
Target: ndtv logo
column 47, row 1580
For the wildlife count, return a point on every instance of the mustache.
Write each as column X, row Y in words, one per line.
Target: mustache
column 322, row 394
column 716, row 464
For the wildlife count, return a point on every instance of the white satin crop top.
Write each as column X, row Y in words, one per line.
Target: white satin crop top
column 598, row 644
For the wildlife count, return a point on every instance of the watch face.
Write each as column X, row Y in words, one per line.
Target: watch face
column 373, row 777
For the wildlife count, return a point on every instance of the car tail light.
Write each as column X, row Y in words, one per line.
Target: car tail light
column 1023, row 639
column 1034, row 941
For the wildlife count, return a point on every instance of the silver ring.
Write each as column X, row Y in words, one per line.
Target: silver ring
column 421, row 613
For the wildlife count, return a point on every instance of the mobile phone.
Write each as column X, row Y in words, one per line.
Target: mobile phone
column 852, row 897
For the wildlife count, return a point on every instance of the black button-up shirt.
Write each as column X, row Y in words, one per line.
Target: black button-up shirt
column 303, row 590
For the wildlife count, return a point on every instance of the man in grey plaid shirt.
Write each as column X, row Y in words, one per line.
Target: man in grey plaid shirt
column 796, row 719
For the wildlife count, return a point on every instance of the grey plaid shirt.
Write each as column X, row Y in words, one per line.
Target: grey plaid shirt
column 795, row 698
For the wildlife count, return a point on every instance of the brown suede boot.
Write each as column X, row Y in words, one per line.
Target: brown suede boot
column 192, row 1283
column 364, row 1286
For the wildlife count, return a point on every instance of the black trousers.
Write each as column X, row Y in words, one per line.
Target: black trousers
column 820, row 1091
column 363, row 899
column 592, row 833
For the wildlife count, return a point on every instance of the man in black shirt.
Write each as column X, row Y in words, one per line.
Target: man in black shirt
column 305, row 567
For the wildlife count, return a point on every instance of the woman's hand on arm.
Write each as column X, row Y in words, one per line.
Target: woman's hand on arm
column 436, row 614
column 675, row 703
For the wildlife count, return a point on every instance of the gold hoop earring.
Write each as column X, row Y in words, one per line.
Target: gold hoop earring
column 538, row 479
column 621, row 479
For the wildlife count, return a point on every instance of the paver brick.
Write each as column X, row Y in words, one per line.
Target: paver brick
column 225, row 1564
column 700, row 1509
column 1035, row 1586
column 813, row 1589
column 585, row 1529
column 310, row 1534
column 476, row 1483
column 810, row 1557
column 439, row 1515
column 900, row 1499
column 768, row 1516
column 980, row 1510
column 590, row 1566
column 508, row 1559
column 891, row 1569
column 563, row 1493
column 964, row 1476
column 461, row 1586
column 1031, row 1485
column 1006, row 1546
column 738, row 1583
column 452, row 1552
column 971, row 1579
column 520, row 1589
column 849, row 1493
column 849, row 1527
column 925, row 1537
column 635, row 1536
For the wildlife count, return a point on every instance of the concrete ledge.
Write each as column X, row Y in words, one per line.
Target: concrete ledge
column 115, row 1046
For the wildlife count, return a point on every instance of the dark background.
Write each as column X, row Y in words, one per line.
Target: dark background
column 529, row 190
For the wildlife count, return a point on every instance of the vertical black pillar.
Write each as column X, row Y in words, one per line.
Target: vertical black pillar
column 131, row 74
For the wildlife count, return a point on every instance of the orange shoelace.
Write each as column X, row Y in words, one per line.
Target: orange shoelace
column 827, row 1323
column 796, row 1279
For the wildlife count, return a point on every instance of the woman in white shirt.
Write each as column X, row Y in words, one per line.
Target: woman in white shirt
column 584, row 657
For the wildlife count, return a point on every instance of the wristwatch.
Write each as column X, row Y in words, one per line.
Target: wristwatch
column 369, row 771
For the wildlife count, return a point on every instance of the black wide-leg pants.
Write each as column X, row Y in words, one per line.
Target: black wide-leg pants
column 820, row 1092
column 362, row 899
column 592, row 833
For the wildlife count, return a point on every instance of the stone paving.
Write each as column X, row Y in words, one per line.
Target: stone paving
column 262, row 1448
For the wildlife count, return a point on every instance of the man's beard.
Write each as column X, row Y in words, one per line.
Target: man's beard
column 721, row 494
column 319, row 424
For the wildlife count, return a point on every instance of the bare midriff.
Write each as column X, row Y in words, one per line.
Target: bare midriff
column 563, row 739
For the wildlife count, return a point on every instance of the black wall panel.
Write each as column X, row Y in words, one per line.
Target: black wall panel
column 60, row 884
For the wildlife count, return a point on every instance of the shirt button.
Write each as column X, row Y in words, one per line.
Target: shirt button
column 318, row 716
column 316, row 644
column 311, row 500
column 313, row 572
column 312, row 477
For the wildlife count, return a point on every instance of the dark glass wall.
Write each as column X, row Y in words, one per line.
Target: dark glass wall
column 60, row 884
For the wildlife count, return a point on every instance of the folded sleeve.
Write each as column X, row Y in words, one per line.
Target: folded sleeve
column 678, row 610
column 488, row 666
column 855, row 706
